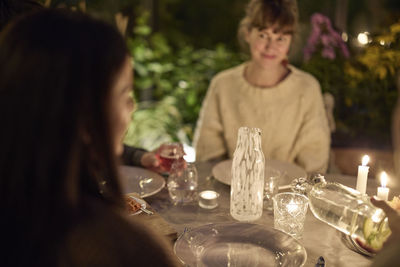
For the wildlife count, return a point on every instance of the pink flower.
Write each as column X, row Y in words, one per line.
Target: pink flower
column 328, row 52
column 325, row 36
column 319, row 19
column 344, row 49
column 327, row 40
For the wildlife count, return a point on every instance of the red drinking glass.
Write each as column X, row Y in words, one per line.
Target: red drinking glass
column 168, row 153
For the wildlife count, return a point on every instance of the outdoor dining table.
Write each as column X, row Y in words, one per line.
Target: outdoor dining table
column 319, row 239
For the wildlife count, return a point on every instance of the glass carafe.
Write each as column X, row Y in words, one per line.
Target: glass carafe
column 247, row 185
column 344, row 208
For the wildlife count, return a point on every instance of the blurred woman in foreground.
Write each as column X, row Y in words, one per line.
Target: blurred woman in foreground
column 65, row 100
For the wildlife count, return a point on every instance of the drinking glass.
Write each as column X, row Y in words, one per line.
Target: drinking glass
column 290, row 212
column 271, row 186
column 168, row 153
column 195, row 242
column 182, row 182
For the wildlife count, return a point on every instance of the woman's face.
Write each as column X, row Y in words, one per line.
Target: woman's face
column 268, row 47
column 121, row 105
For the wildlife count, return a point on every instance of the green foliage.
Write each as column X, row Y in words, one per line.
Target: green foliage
column 201, row 23
column 154, row 124
column 371, row 79
column 364, row 86
column 332, row 77
column 180, row 74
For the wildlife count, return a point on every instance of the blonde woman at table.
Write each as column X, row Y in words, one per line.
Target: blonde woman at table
column 65, row 100
column 268, row 93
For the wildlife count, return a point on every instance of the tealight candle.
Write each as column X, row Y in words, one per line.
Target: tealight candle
column 383, row 191
column 362, row 176
column 208, row 199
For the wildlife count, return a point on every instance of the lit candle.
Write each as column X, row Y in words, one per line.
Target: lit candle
column 362, row 176
column 208, row 199
column 383, row 191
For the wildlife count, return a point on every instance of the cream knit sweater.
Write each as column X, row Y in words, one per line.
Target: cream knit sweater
column 290, row 115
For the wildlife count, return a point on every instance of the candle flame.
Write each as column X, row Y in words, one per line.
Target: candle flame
column 365, row 160
column 384, row 179
column 209, row 194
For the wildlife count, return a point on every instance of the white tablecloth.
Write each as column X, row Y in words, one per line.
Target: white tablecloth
column 319, row 239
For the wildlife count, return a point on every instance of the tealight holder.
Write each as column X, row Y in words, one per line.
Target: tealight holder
column 208, row 199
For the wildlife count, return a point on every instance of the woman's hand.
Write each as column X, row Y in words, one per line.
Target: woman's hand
column 150, row 161
column 393, row 220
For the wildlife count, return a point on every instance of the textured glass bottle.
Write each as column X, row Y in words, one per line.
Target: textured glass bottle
column 345, row 209
column 247, row 185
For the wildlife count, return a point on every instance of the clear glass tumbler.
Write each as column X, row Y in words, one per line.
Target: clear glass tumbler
column 182, row 182
column 271, row 186
column 290, row 211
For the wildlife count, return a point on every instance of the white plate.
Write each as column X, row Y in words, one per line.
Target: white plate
column 238, row 244
column 142, row 204
column 290, row 171
column 141, row 181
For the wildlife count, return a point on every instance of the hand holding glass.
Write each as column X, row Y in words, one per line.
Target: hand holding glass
column 168, row 153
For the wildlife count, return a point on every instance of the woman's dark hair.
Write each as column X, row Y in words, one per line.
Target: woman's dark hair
column 9, row 9
column 57, row 69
